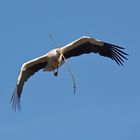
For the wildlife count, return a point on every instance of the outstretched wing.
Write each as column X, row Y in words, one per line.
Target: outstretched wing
column 27, row 70
column 86, row 45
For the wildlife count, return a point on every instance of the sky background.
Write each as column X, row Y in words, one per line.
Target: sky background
column 107, row 101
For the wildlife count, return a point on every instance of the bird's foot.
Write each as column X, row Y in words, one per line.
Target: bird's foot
column 55, row 73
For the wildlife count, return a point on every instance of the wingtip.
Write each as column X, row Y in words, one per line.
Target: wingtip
column 117, row 54
column 15, row 101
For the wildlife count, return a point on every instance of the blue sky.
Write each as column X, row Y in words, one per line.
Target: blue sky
column 107, row 101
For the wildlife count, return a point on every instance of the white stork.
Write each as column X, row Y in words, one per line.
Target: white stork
column 52, row 60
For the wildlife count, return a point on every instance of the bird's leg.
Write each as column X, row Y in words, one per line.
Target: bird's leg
column 56, row 72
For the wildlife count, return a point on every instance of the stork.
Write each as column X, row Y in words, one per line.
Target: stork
column 52, row 60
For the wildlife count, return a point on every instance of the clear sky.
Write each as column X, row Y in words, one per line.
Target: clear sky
column 107, row 101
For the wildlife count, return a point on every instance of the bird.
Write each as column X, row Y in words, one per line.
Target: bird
column 52, row 60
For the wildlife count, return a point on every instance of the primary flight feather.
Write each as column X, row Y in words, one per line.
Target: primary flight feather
column 52, row 60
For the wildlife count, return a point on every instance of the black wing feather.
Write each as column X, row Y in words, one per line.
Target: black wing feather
column 107, row 50
column 26, row 74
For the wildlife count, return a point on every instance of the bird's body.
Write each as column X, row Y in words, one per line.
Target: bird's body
column 52, row 60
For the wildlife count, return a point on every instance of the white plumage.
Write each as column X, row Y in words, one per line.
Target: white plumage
column 52, row 60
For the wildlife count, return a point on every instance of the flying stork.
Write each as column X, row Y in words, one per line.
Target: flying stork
column 52, row 60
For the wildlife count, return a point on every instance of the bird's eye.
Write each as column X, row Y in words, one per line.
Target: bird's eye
column 58, row 51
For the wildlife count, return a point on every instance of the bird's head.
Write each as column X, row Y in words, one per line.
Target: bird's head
column 58, row 51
